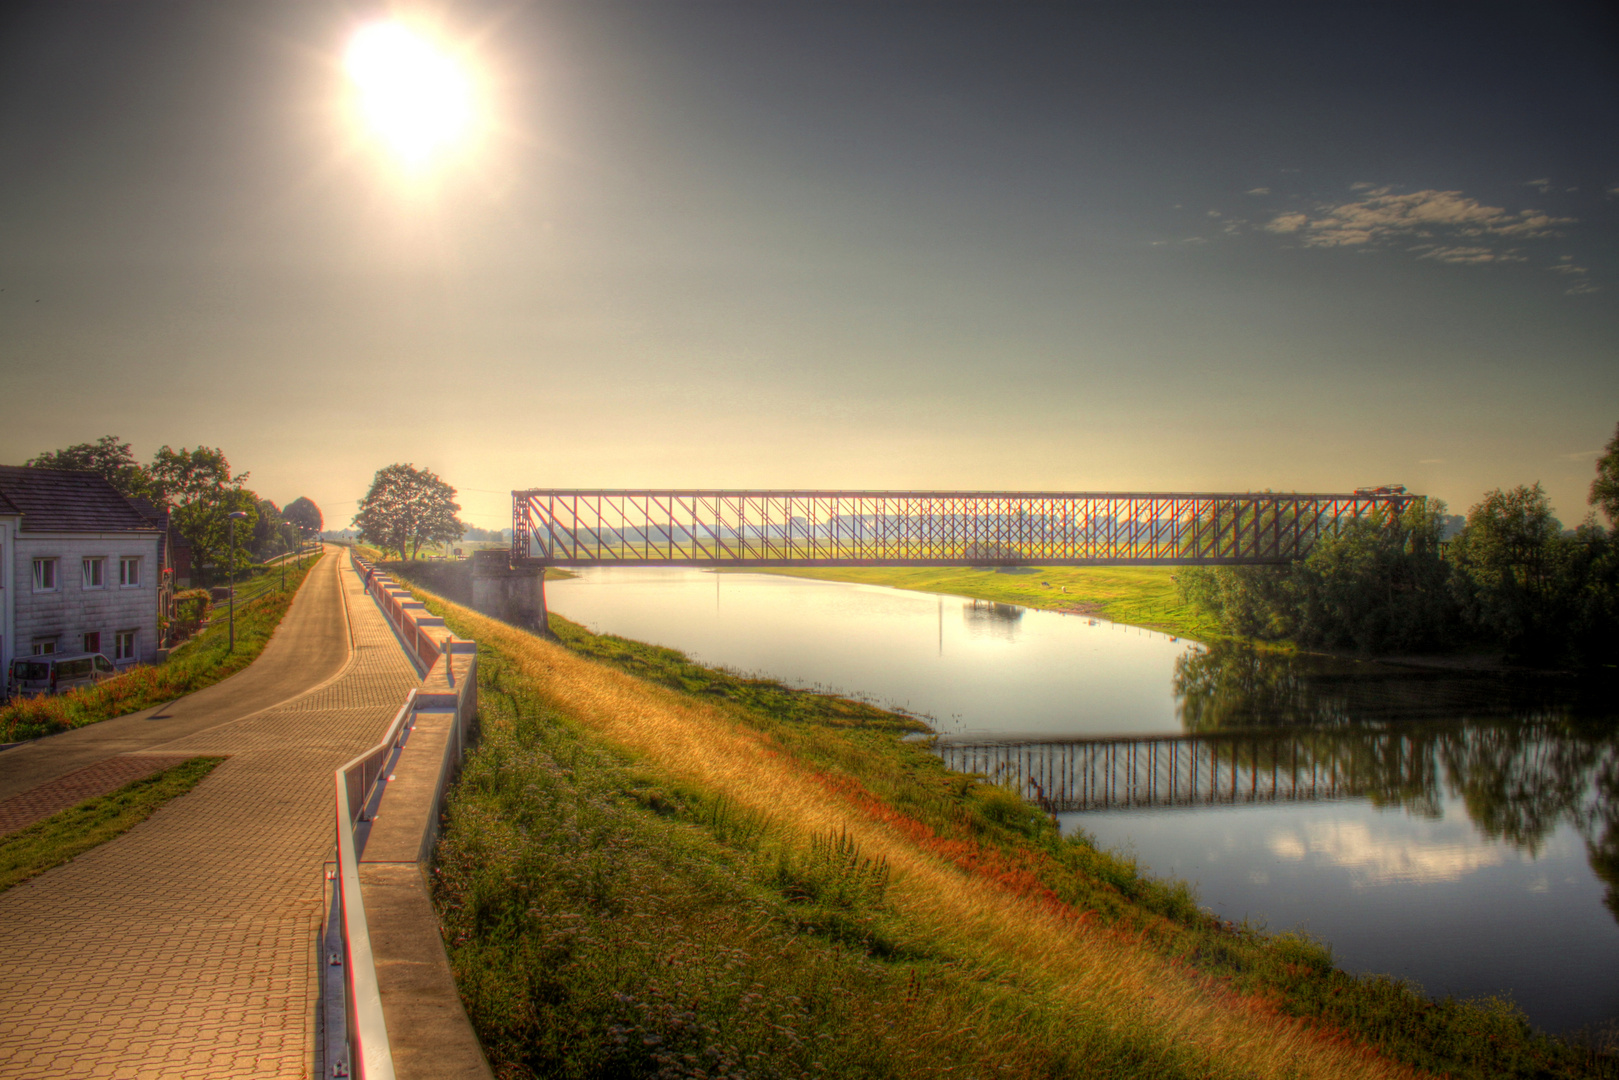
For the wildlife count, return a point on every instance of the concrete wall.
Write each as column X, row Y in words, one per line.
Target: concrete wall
column 71, row 610
column 450, row 578
column 511, row 594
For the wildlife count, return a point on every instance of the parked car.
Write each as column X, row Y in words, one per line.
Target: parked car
column 53, row 674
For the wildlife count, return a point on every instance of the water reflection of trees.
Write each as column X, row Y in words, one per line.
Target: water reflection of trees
column 1522, row 756
column 988, row 618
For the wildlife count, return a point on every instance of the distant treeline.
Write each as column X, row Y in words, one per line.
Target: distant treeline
column 1512, row 578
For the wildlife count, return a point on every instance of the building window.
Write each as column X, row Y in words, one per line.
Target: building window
column 92, row 641
column 44, row 647
column 129, row 571
column 95, row 573
column 124, row 645
column 44, row 575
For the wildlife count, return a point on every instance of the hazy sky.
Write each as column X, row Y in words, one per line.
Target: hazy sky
column 873, row 245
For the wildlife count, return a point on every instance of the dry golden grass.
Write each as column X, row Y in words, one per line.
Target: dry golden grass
column 1099, row 971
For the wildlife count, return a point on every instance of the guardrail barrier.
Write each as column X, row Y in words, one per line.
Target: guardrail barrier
column 448, row 666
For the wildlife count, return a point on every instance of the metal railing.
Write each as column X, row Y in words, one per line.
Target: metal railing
column 363, row 1046
column 366, row 1035
column 929, row 528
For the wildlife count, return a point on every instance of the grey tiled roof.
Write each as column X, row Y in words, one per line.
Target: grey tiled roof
column 54, row 500
column 5, row 505
column 157, row 515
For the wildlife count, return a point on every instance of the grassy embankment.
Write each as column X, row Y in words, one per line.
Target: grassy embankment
column 1138, row 595
column 655, row 868
column 200, row 661
column 70, row 833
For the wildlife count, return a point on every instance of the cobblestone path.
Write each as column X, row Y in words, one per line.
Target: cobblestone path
column 186, row 947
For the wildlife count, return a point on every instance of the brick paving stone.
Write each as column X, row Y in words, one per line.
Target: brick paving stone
column 183, row 948
column 22, row 810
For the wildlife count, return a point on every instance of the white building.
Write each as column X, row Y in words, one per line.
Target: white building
column 80, row 568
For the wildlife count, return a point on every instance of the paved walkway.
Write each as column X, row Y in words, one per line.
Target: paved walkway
column 186, row 947
column 104, row 777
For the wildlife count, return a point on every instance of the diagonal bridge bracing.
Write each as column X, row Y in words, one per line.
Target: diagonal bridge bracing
column 1227, row 769
column 928, row 528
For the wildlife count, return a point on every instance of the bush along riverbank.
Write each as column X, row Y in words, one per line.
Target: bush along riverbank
column 199, row 661
column 650, row 867
column 1513, row 584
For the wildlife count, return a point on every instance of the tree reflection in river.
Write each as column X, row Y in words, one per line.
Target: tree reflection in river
column 1522, row 754
column 988, row 618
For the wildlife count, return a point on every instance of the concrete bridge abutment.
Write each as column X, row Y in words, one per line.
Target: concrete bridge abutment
column 514, row 594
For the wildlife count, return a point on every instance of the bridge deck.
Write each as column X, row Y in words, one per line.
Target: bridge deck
column 928, row 528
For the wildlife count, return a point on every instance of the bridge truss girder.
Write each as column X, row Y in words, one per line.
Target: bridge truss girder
column 926, row 528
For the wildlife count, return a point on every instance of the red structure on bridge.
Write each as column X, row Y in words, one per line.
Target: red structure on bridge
column 930, row 528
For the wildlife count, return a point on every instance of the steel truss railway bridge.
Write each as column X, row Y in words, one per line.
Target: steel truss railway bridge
column 1201, row 770
column 929, row 528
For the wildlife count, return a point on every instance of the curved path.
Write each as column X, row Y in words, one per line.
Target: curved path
column 187, row 946
column 311, row 645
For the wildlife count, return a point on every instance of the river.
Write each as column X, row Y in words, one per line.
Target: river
column 1458, row 831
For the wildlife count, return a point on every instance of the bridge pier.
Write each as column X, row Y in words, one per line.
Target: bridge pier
column 514, row 594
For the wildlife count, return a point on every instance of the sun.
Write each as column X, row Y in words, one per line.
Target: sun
column 412, row 94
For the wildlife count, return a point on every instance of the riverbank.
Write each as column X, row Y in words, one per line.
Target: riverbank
column 1143, row 596
column 829, row 899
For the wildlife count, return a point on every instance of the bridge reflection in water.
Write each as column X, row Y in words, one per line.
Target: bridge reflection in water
column 1201, row 770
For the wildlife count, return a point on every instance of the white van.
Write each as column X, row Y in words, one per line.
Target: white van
column 53, row 674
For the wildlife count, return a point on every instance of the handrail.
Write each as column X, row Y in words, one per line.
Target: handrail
column 357, row 785
column 367, row 1031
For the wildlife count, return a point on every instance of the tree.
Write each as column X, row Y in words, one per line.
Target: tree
column 304, row 516
column 273, row 533
column 202, row 493
column 1519, row 580
column 1378, row 585
column 1605, row 488
column 407, row 507
column 107, row 458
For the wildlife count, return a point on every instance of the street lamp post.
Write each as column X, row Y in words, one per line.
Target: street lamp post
column 231, row 555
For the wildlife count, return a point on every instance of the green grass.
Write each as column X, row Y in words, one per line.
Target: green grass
column 71, row 832
column 607, row 915
column 1139, row 595
column 605, row 921
column 200, row 661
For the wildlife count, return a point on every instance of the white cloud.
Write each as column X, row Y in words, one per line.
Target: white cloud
column 1287, row 223
column 1431, row 461
column 1582, row 288
column 1464, row 254
column 1259, row 191
column 1582, row 455
column 1454, row 227
column 1543, row 185
column 1375, row 860
column 1566, row 266
column 1214, row 213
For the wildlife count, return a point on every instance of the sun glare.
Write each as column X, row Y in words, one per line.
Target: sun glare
column 413, row 95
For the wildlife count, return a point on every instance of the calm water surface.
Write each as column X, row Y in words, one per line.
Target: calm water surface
column 1457, row 831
